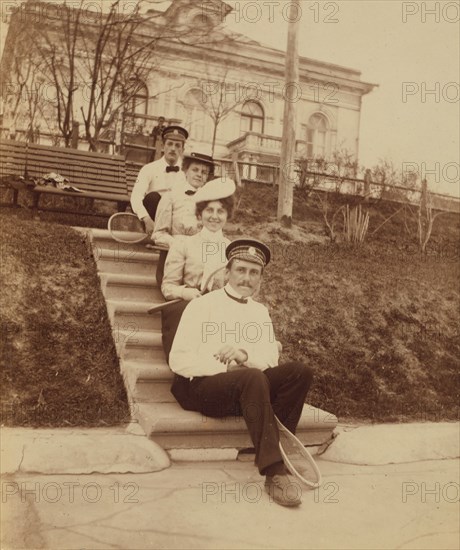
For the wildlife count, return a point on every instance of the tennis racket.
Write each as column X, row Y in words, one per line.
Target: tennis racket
column 125, row 227
column 297, row 458
column 164, row 305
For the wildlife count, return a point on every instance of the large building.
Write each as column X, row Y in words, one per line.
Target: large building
column 192, row 82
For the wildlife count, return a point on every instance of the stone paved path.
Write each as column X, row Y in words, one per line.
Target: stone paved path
column 223, row 505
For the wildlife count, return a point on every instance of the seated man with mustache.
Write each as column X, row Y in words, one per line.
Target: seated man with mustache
column 225, row 360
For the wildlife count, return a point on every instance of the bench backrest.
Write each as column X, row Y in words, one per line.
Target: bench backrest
column 132, row 171
column 86, row 170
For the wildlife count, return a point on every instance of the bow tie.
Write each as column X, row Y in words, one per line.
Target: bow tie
column 172, row 169
column 190, row 193
column 239, row 300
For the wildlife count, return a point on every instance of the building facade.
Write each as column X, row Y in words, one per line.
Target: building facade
column 229, row 93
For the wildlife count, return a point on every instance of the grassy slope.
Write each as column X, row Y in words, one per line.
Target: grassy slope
column 382, row 337
column 59, row 365
column 380, row 324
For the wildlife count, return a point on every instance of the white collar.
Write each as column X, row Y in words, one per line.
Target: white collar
column 211, row 236
column 188, row 187
column 163, row 160
column 230, row 290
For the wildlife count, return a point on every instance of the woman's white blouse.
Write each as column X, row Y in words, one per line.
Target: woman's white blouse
column 191, row 260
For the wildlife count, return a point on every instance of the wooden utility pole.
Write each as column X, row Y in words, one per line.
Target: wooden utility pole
column 291, row 96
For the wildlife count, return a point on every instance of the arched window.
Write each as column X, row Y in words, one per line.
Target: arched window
column 140, row 100
column 317, row 136
column 252, row 118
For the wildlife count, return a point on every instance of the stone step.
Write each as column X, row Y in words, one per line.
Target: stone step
column 126, row 315
column 139, row 339
column 151, row 372
column 127, row 274
column 137, row 288
column 129, row 262
column 174, row 428
column 102, row 238
column 149, row 383
column 139, row 345
column 144, row 354
column 148, row 392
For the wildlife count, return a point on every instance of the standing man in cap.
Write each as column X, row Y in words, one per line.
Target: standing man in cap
column 225, row 360
column 159, row 176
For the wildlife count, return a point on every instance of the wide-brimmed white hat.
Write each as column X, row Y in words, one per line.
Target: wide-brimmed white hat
column 214, row 190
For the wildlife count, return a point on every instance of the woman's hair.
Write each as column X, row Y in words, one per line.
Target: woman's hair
column 190, row 160
column 227, row 203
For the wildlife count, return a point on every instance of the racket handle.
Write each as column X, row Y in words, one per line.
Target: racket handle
column 165, row 305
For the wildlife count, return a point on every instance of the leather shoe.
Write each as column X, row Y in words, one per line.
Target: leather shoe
column 283, row 490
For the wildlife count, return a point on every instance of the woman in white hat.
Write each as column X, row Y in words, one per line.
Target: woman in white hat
column 192, row 261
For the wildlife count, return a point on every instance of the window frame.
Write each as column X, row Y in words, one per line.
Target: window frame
column 313, row 132
column 252, row 118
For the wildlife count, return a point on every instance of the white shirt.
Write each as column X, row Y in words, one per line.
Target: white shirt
column 215, row 320
column 175, row 215
column 153, row 177
column 191, row 260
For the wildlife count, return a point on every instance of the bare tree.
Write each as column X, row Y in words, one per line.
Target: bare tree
column 344, row 166
column 395, row 184
column 315, row 177
column 118, row 68
column 23, row 92
column 100, row 62
column 213, row 99
column 57, row 53
column 314, row 172
column 329, row 213
column 426, row 217
column 97, row 61
column 310, row 175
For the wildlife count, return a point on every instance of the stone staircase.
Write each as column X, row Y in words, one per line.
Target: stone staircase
column 127, row 275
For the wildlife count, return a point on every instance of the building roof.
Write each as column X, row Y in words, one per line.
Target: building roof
column 245, row 51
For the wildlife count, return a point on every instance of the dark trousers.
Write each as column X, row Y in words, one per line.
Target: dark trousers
column 150, row 203
column 255, row 395
column 170, row 318
column 160, row 271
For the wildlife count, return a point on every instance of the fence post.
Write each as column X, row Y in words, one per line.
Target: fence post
column 367, row 184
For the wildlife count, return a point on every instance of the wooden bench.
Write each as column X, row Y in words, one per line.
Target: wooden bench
column 99, row 176
column 132, row 170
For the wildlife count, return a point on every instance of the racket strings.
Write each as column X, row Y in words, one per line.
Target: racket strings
column 297, row 458
column 126, row 228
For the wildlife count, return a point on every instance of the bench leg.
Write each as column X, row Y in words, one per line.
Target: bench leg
column 35, row 201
